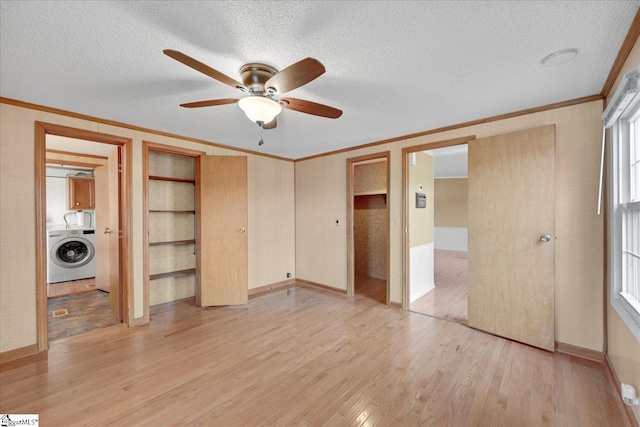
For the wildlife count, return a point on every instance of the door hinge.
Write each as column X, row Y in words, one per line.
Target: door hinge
column 119, row 168
column 119, row 234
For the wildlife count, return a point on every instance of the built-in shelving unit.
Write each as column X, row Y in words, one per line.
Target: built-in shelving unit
column 172, row 273
column 166, row 178
column 171, row 218
column 371, row 192
column 172, row 211
column 173, row 242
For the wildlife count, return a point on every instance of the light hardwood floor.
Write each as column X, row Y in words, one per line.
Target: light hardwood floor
column 303, row 356
column 372, row 288
column 448, row 300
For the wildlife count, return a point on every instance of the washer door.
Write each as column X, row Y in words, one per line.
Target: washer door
column 72, row 252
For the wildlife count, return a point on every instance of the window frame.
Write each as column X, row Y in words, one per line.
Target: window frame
column 621, row 133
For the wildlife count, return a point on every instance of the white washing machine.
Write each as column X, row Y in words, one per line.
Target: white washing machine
column 71, row 255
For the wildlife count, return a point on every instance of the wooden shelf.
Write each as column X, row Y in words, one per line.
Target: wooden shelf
column 371, row 192
column 166, row 178
column 171, row 211
column 172, row 274
column 172, row 242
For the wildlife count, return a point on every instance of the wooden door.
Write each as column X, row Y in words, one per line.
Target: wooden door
column 512, row 208
column 222, row 240
column 115, row 298
column 102, row 222
column 107, row 231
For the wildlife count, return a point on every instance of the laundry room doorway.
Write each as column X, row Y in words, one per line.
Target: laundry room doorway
column 82, row 212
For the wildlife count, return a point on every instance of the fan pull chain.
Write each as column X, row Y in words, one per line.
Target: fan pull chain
column 261, row 132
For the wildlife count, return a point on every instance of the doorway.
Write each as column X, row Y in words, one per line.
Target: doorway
column 418, row 218
column 368, row 227
column 67, row 231
column 78, row 298
column 438, row 233
column 511, row 195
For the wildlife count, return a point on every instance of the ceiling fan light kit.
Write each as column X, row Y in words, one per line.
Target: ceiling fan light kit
column 261, row 82
column 260, row 109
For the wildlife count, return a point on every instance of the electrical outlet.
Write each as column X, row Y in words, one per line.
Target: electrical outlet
column 629, row 395
column 288, row 275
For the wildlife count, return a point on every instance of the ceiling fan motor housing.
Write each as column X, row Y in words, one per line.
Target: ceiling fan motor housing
column 255, row 75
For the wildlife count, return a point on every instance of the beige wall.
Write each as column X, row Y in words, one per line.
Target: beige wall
column 271, row 216
column 450, row 200
column 321, row 245
column 623, row 347
column 421, row 220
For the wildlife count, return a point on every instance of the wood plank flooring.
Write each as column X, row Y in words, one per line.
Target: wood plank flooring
column 448, row 300
column 372, row 288
column 304, row 356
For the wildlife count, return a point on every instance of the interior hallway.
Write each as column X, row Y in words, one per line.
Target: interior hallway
column 448, row 300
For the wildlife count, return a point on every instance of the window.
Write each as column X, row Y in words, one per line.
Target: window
column 625, row 205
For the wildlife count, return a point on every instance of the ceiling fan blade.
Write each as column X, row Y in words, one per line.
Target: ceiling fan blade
column 296, row 75
column 309, row 107
column 203, row 68
column 271, row 125
column 210, row 103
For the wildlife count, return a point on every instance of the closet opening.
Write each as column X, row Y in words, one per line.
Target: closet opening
column 368, row 227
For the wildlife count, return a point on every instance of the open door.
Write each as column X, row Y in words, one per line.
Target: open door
column 102, row 222
column 107, row 227
column 114, row 233
column 512, row 235
column 223, row 265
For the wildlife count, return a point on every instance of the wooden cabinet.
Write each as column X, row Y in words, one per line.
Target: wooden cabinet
column 81, row 192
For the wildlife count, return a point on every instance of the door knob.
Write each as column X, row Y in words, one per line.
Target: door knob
column 545, row 238
column 242, row 230
column 107, row 230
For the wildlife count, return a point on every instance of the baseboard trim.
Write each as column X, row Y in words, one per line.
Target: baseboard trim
column 584, row 353
column 614, row 382
column 271, row 287
column 140, row 321
column 304, row 282
column 18, row 353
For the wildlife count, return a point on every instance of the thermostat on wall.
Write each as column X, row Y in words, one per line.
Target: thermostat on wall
column 421, row 200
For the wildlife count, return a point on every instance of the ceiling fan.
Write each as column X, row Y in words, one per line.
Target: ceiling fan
column 261, row 82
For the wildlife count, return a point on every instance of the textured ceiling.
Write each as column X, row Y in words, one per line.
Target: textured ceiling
column 394, row 67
